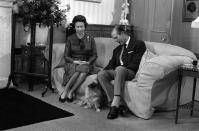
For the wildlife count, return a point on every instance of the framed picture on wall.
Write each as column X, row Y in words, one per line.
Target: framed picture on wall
column 96, row 1
column 190, row 10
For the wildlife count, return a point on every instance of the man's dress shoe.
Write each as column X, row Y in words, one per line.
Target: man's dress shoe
column 113, row 113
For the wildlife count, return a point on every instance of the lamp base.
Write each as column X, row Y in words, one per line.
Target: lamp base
column 124, row 22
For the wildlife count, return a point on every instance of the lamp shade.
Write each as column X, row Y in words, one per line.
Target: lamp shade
column 195, row 23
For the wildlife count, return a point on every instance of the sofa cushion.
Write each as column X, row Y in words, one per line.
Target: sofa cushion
column 157, row 67
column 166, row 56
column 168, row 49
column 146, row 56
column 156, row 64
column 105, row 48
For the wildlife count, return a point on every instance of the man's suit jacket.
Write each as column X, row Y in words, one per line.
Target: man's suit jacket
column 132, row 58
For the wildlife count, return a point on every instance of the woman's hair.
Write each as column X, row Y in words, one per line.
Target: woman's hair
column 79, row 18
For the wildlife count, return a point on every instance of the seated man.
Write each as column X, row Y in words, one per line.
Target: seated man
column 122, row 67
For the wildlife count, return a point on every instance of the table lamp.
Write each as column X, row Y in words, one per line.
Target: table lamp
column 195, row 24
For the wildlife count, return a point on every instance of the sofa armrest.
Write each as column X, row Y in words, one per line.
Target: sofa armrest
column 57, row 54
column 140, row 94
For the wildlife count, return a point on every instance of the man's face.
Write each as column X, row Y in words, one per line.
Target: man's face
column 118, row 37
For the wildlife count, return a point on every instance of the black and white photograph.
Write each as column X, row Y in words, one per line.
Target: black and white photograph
column 99, row 65
column 190, row 10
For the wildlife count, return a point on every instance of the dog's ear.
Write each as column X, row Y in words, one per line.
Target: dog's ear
column 92, row 85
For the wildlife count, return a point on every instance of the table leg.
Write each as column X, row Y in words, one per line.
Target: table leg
column 178, row 98
column 193, row 95
column 30, row 84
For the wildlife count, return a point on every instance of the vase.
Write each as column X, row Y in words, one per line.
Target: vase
column 41, row 35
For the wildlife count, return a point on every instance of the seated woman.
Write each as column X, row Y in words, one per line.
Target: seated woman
column 79, row 55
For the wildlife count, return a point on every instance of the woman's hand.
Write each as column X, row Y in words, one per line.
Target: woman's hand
column 83, row 62
column 80, row 62
column 84, row 68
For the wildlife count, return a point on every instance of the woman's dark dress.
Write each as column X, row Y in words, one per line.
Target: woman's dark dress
column 78, row 49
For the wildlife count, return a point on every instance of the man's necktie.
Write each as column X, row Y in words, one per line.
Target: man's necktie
column 122, row 55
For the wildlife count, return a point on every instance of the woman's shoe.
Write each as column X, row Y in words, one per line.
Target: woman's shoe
column 69, row 99
column 113, row 113
column 62, row 100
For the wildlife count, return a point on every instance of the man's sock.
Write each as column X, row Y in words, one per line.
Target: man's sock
column 116, row 101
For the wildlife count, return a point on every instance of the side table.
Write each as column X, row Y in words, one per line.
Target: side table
column 192, row 71
column 38, row 62
column 31, row 75
column 33, row 61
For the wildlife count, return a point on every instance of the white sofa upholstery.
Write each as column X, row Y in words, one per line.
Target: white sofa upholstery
column 155, row 84
column 156, row 81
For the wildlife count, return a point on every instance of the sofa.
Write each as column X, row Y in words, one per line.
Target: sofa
column 155, row 84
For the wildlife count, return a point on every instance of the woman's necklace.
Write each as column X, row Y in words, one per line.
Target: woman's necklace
column 81, row 43
column 80, row 35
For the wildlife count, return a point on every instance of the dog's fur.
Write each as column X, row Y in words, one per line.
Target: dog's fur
column 92, row 98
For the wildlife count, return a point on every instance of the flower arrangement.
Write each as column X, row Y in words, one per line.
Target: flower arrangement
column 46, row 12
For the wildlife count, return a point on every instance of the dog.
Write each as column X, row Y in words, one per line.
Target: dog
column 92, row 97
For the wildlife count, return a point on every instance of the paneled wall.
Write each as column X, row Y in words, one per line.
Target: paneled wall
column 188, row 37
column 152, row 19
column 181, row 32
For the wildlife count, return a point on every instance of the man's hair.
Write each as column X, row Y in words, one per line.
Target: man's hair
column 122, row 28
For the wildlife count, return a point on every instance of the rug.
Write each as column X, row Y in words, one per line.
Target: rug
column 19, row 109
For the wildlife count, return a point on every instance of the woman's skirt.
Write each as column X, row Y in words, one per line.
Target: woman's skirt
column 71, row 68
